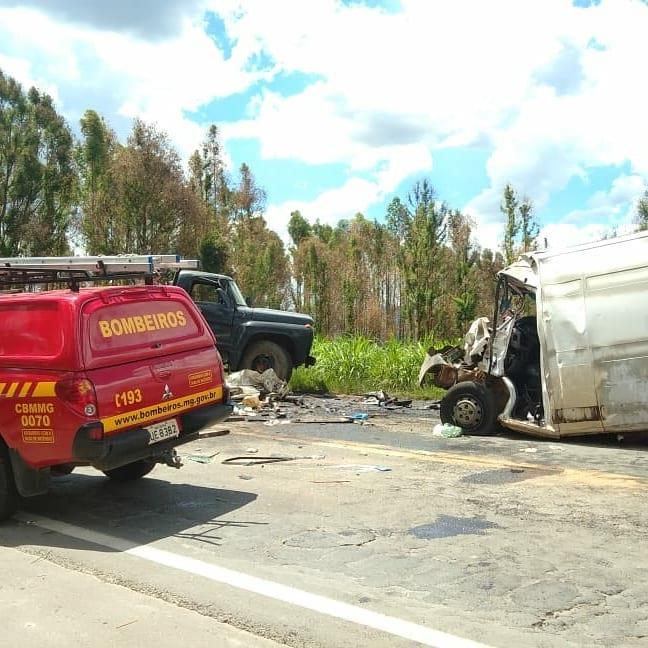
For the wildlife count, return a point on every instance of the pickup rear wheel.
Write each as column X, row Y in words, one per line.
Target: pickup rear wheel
column 131, row 471
column 8, row 493
column 265, row 354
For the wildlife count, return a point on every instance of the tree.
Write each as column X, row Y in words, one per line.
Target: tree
column 259, row 262
column 248, row 198
column 94, row 157
column 520, row 227
column 511, row 225
column 214, row 253
column 208, row 175
column 641, row 215
column 298, row 228
column 421, row 227
column 312, row 268
column 37, row 175
column 528, row 226
column 150, row 207
column 323, row 231
column 464, row 288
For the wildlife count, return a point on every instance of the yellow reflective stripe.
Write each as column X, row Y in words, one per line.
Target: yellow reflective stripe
column 165, row 409
column 25, row 390
column 44, row 390
column 21, row 390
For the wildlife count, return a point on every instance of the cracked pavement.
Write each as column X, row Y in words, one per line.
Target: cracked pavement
column 504, row 540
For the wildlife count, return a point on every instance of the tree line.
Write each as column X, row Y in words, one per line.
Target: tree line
column 414, row 273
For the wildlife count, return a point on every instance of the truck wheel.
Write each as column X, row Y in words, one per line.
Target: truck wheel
column 8, row 493
column 265, row 354
column 470, row 406
column 131, row 471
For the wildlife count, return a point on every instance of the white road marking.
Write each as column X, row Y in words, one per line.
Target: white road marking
column 292, row 595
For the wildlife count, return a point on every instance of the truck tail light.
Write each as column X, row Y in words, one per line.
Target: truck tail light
column 79, row 393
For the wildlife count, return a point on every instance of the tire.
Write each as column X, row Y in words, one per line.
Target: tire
column 265, row 354
column 470, row 406
column 8, row 493
column 131, row 471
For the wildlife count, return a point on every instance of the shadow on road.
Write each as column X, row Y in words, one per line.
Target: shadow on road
column 137, row 513
column 625, row 441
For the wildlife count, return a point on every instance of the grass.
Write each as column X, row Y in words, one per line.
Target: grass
column 356, row 365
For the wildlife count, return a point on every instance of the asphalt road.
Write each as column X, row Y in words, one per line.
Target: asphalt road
column 376, row 534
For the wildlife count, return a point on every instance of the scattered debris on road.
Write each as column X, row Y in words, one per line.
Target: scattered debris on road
column 447, row 431
column 201, row 458
column 265, row 383
column 254, row 460
column 362, row 468
column 382, row 399
column 252, row 400
column 214, row 433
column 246, row 460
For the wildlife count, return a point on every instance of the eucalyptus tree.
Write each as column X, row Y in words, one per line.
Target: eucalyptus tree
column 37, row 174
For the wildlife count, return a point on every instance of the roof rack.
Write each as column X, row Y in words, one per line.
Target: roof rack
column 15, row 271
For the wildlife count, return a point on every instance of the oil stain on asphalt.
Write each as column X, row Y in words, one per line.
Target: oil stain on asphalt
column 447, row 526
column 506, row 476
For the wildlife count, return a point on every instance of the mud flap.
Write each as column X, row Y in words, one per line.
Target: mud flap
column 29, row 481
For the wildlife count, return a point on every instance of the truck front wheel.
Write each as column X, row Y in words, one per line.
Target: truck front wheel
column 8, row 492
column 265, row 354
column 470, row 406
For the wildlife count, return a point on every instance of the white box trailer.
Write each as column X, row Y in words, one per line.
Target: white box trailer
column 568, row 352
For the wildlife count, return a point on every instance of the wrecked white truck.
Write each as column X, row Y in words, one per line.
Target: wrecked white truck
column 567, row 351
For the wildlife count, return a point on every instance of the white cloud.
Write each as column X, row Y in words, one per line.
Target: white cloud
column 607, row 213
column 390, row 88
column 520, row 75
column 625, row 189
column 356, row 194
column 329, row 207
column 563, row 235
column 22, row 69
column 157, row 80
column 148, row 19
column 611, row 209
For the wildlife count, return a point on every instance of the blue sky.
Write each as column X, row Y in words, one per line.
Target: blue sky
column 337, row 106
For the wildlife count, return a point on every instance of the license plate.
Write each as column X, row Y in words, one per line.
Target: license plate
column 162, row 431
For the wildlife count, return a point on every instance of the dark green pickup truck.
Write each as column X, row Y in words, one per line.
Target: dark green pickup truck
column 249, row 338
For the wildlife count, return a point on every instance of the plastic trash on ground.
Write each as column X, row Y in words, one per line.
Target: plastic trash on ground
column 252, row 401
column 267, row 382
column 447, row 431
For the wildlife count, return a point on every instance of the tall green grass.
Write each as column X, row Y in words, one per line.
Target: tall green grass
column 356, row 364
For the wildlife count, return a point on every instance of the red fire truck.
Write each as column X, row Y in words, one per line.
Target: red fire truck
column 113, row 376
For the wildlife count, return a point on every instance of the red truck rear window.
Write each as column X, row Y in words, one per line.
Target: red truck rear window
column 137, row 324
column 31, row 329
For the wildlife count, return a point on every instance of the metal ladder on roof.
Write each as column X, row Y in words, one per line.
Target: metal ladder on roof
column 16, row 271
column 131, row 263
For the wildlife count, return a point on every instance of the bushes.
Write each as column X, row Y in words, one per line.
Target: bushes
column 356, row 364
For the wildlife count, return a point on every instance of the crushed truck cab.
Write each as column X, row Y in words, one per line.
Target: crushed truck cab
column 566, row 352
column 114, row 377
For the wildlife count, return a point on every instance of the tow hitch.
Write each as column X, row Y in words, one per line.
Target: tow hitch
column 170, row 458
